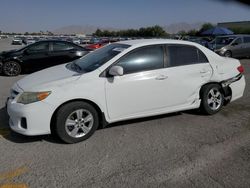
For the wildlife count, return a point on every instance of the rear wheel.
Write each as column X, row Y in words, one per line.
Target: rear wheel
column 11, row 68
column 76, row 121
column 212, row 99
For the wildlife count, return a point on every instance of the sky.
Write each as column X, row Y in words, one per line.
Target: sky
column 34, row 15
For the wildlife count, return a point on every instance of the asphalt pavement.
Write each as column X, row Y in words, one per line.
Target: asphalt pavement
column 183, row 149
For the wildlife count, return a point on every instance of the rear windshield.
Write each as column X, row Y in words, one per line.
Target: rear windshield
column 96, row 59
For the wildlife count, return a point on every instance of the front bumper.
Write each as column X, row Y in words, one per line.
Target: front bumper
column 37, row 117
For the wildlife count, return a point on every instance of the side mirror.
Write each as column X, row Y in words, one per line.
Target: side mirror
column 116, row 71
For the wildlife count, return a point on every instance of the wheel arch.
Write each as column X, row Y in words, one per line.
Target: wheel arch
column 227, row 91
column 101, row 114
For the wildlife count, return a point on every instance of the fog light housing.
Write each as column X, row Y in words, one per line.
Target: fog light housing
column 23, row 123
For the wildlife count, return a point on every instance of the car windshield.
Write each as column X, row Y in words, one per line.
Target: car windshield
column 96, row 59
column 224, row 40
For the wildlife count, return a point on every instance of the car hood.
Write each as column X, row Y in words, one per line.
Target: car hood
column 51, row 77
column 9, row 52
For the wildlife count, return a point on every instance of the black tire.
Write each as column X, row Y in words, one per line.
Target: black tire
column 11, row 68
column 228, row 54
column 67, row 113
column 211, row 104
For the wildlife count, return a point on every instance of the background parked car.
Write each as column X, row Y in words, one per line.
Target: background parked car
column 234, row 46
column 29, row 40
column 39, row 55
column 17, row 41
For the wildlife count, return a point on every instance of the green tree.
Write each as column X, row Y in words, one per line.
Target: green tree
column 98, row 32
column 206, row 26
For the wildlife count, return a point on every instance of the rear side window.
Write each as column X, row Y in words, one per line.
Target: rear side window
column 246, row 39
column 179, row 55
column 143, row 59
column 61, row 46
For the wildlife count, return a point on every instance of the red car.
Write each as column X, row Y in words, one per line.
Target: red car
column 99, row 44
column 95, row 46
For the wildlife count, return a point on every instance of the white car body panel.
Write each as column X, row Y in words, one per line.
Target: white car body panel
column 120, row 98
column 157, row 89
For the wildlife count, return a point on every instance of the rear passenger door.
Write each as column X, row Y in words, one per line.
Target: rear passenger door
column 188, row 69
column 63, row 52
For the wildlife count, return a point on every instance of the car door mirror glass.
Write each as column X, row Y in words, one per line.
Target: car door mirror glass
column 116, row 71
column 235, row 44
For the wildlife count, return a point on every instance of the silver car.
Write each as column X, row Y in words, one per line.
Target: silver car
column 233, row 46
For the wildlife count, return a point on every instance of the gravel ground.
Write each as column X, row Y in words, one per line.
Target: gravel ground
column 177, row 150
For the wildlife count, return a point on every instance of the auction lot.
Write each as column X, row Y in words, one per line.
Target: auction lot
column 183, row 149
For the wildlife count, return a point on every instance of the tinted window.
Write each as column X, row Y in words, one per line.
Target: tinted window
column 246, row 39
column 179, row 55
column 143, row 59
column 60, row 46
column 39, row 47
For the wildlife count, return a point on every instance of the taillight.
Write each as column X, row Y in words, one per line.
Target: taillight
column 240, row 69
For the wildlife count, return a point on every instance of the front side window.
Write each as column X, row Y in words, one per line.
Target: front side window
column 143, row 59
column 238, row 41
column 179, row 55
column 224, row 40
column 61, row 46
column 40, row 47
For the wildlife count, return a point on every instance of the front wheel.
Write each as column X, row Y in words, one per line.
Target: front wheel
column 11, row 68
column 76, row 121
column 212, row 99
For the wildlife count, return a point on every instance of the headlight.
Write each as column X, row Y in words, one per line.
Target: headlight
column 223, row 49
column 30, row 97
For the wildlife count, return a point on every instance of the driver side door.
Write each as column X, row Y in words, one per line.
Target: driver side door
column 140, row 89
column 36, row 56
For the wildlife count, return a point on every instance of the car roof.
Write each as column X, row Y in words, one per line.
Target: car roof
column 54, row 40
column 144, row 42
column 239, row 35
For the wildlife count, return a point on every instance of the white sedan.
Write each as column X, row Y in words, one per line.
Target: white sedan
column 121, row 81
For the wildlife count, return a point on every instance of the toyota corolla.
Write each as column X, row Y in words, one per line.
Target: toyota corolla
column 121, row 81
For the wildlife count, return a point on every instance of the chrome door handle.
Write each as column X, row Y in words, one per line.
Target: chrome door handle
column 161, row 77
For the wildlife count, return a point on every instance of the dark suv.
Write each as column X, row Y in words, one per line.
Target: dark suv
column 38, row 56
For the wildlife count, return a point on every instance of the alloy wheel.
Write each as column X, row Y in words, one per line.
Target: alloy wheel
column 214, row 99
column 79, row 123
column 11, row 68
